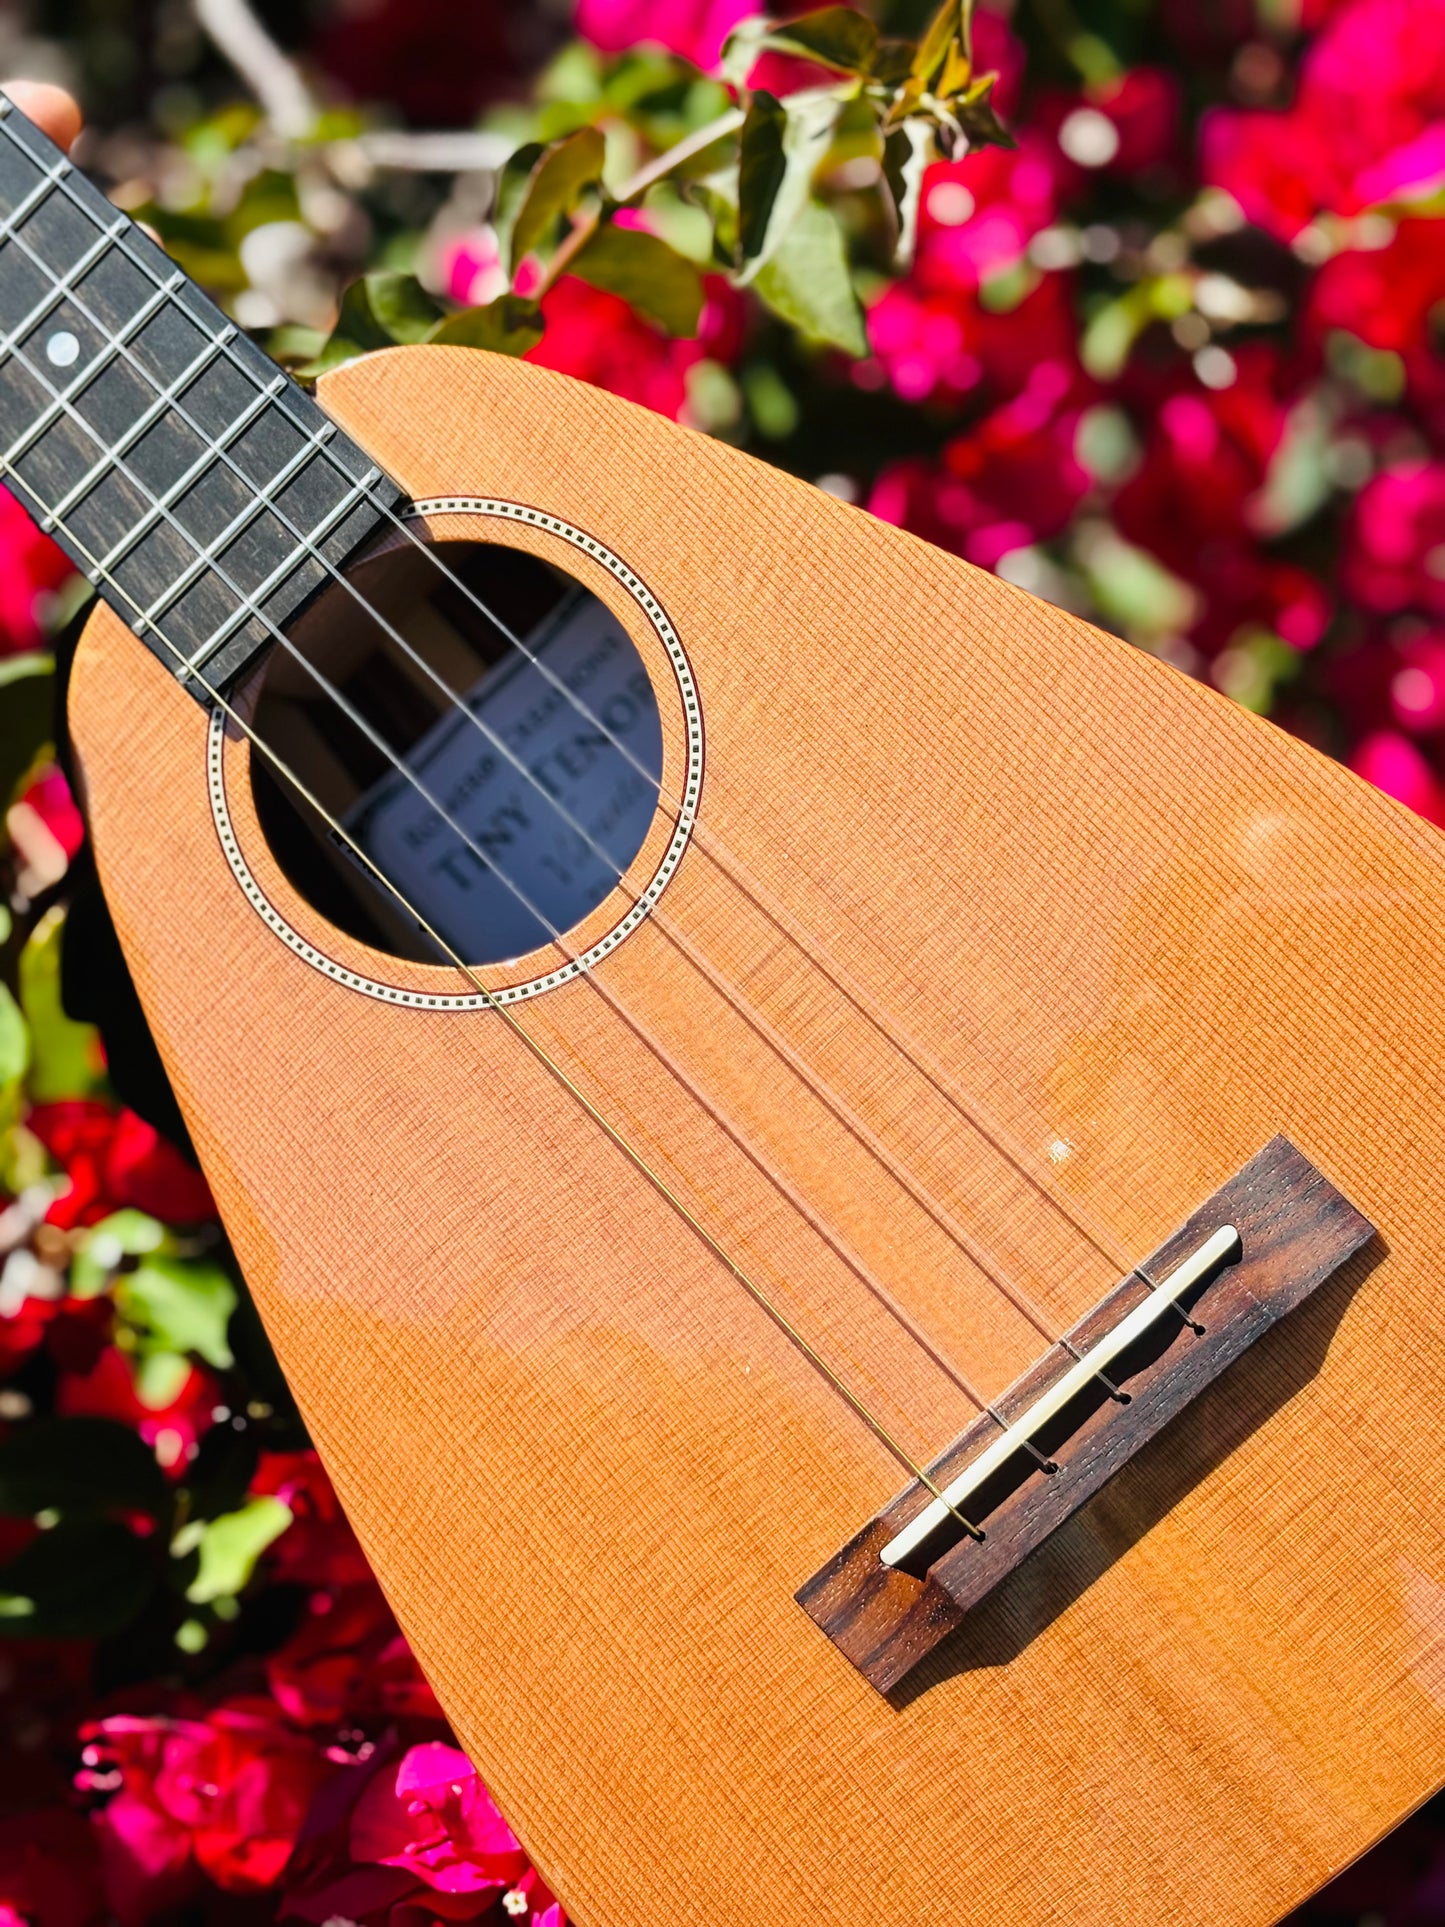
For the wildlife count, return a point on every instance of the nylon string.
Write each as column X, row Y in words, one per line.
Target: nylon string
column 1010, row 1291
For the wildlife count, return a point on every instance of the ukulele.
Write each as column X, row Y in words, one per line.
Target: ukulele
column 845, row 1168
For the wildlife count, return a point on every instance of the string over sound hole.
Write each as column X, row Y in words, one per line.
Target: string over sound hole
column 484, row 728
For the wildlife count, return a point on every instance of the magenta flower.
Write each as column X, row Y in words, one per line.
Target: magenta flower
column 696, row 29
column 1393, row 764
column 1365, row 126
column 434, row 1818
column 1395, row 558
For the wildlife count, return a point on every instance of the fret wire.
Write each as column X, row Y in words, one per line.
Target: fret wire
column 64, row 285
column 210, row 554
column 205, row 557
column 51, row 177
column 305, row 543
column 248, row 373
column 101, row 362
column 247, row 605
column 137, row 429
column 328, row 522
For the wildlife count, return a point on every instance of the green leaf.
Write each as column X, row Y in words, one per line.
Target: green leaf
column 27, row 701
column 14, row 1052
column 892, row 62
column 776, row 168
column 178, row 1305
column 377, row 311
column 717, row 196
column 560, row 179
column 513, row 185
column 906, row 154
column 835, row 36
column 84, row 1579
column 948, row 29
column 124, row 1234
column 762, row 169
column 507, row 326
column 79, row 1465
column 231, row 1545
column 807, row 283
column 160, row 1378
column 654, row 278
column 65, row 1057
column 401, row 305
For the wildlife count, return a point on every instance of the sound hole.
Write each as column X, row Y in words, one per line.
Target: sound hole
column 503, row 818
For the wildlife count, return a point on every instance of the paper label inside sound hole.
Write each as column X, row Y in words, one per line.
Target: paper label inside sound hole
column 548, row 783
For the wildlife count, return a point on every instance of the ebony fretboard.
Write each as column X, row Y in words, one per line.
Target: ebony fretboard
column 186, row 476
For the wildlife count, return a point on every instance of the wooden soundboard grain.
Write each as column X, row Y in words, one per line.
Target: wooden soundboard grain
column 1143, row 928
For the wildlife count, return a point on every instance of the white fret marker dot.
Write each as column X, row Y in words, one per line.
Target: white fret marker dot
column 62, row 348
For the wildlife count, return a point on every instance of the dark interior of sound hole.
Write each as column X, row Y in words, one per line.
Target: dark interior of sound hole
column 547, row 764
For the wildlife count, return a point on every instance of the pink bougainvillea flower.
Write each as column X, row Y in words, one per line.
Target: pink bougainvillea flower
column 1417, row 684
column 940, row 344
column 470, row 267
column 696, row 29
column 229, row 1786
column 1009, row 482
column 978, row 215
column 49, row 1870
column 110, row 1390
column 1395, row 765
column 1205, row 458
column 1387, row 296
column 434, row 1818
column 1364, row 126
column 1395, row 552
column 1144, row 105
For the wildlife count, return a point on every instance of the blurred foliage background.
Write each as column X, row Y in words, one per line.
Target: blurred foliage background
column 1136, row 302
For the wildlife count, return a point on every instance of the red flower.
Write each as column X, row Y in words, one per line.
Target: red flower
column 434, row 1817
column 937, row 345
column 597, row 337
column 1143, row 106
column 1393, row 764
column 31, row 569
column 227, row 1790
column 49, row 1876
column 696, row 29
column 1395, row 557
column 318, row 1548
column 1008, row 482
column 114, row 1158
column 979, row 214
column 347, row 1659
column 1385, row 295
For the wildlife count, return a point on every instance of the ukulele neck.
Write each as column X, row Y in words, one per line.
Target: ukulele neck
column 200, row 490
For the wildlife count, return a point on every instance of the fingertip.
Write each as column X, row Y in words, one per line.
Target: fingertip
column 52, row 109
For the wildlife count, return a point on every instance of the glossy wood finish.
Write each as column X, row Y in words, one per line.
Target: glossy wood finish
column 1295, row 1231
column 1067, row 937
